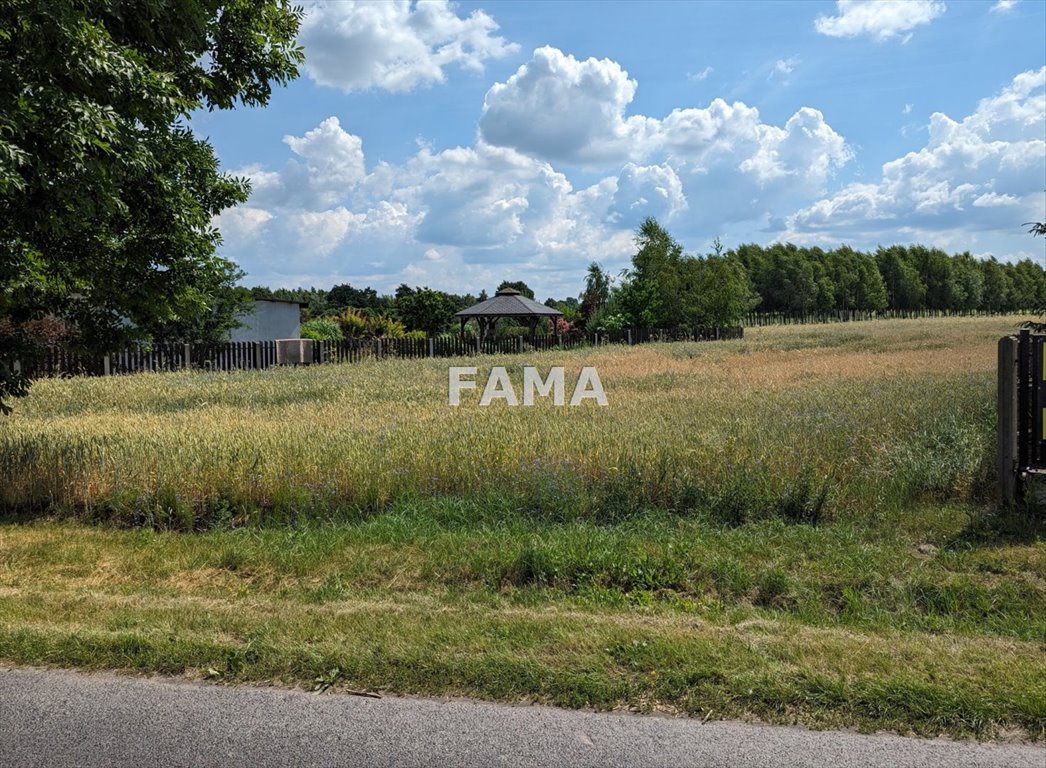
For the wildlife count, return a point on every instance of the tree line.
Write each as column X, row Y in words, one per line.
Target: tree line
column 664, row 287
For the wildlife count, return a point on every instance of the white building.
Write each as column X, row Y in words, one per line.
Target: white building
column 271, row 319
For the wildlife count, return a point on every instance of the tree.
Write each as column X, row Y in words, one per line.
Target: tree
column 667, row 289
column 651, row 295
column 344, row 295
column 106, row 195
column 518, row 285
column 856, row 280
column 227, row 302
column 722, row 292
column 424, row 309
column 904, row 288
column 597, row 290
column 997, row 293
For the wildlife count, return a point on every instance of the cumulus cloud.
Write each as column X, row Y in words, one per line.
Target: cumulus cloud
column 395, row 45
column 642, row 191
column 1003, row 6
column 734, row 167
column 505, row 202
column 437, row 218
column 242, row 223
column 879, row 20
column 982, row 172
column 558, row 108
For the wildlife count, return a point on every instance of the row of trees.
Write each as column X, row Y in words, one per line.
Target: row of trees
column 665, row 287
column 792, row 279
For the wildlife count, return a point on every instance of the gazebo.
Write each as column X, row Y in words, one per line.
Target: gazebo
column 507, row 302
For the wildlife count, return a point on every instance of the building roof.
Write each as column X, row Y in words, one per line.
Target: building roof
column 509, row 302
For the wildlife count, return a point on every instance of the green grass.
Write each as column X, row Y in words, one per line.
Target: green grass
column 793, row 527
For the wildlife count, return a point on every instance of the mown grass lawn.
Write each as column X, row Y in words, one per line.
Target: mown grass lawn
column 794, row 527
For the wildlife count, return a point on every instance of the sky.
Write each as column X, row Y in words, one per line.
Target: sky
column 456, row 145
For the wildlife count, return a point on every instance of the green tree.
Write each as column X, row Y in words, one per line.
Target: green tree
column 597, row 290
column 968, row 281
column 904, row 287
column 106, row 195
column 855, row 279
column 518, row 285
column 997, row 292
column 226, row 303
column 666, row 288
column 343, row 296
column 652, row 293
column 424, row 309
column 722, row 292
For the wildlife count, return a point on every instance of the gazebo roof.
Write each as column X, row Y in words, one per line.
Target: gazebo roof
column 509, row 302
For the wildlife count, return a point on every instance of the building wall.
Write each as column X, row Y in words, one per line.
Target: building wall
column 270, row 320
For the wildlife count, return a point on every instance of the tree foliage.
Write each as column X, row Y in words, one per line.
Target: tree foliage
column 106, row 195
column 517, row 285
column 666, row 288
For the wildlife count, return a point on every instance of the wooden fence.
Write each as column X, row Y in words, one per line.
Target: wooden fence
column 756, row 319
column 258, row 355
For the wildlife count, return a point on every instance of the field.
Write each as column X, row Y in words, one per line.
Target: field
column 794, row 527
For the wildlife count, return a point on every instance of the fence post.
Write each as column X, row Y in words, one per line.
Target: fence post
column 478, row 350
column 187, row 360
column 630, row 337
column 521, row 344
column 105, row 364
column 1008, row 424
column 432, row 345
column 377, row 347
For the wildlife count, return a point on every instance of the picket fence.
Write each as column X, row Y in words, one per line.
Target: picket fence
column 757, row 319
column 259, row 355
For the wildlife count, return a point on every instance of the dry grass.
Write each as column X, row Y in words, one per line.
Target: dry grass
column 786, row 407
column 742, row 533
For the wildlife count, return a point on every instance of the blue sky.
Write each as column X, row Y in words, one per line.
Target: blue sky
column 455, row 145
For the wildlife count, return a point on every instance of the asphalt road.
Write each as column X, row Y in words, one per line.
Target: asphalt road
column 54, row 718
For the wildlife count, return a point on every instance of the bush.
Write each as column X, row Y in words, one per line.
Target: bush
column 322, row 329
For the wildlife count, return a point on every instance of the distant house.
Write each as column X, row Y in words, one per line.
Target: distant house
column 271, row 319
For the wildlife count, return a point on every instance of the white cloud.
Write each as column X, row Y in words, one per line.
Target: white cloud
column 983, row 172
column 907, row 110
column 734, row 167
column 558, row 108
column 641, row 191
column 702, row 75
column 784, row 67
column 878, row 19
column 243, row 222
column 1003, row 6
column 395, row 45
column 330, row 153
column 468, row 213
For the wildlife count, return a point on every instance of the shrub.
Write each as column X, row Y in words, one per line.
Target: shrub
column 322, row 329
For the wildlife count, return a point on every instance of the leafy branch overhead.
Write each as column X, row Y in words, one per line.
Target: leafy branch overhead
column 106, row 195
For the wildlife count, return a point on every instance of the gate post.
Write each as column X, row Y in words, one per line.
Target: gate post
column 1007, row 460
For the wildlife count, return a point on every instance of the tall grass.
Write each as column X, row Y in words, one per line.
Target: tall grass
column 799, row 424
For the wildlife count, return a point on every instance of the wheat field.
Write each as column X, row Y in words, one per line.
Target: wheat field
column 844, row 419
column 795, row 527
